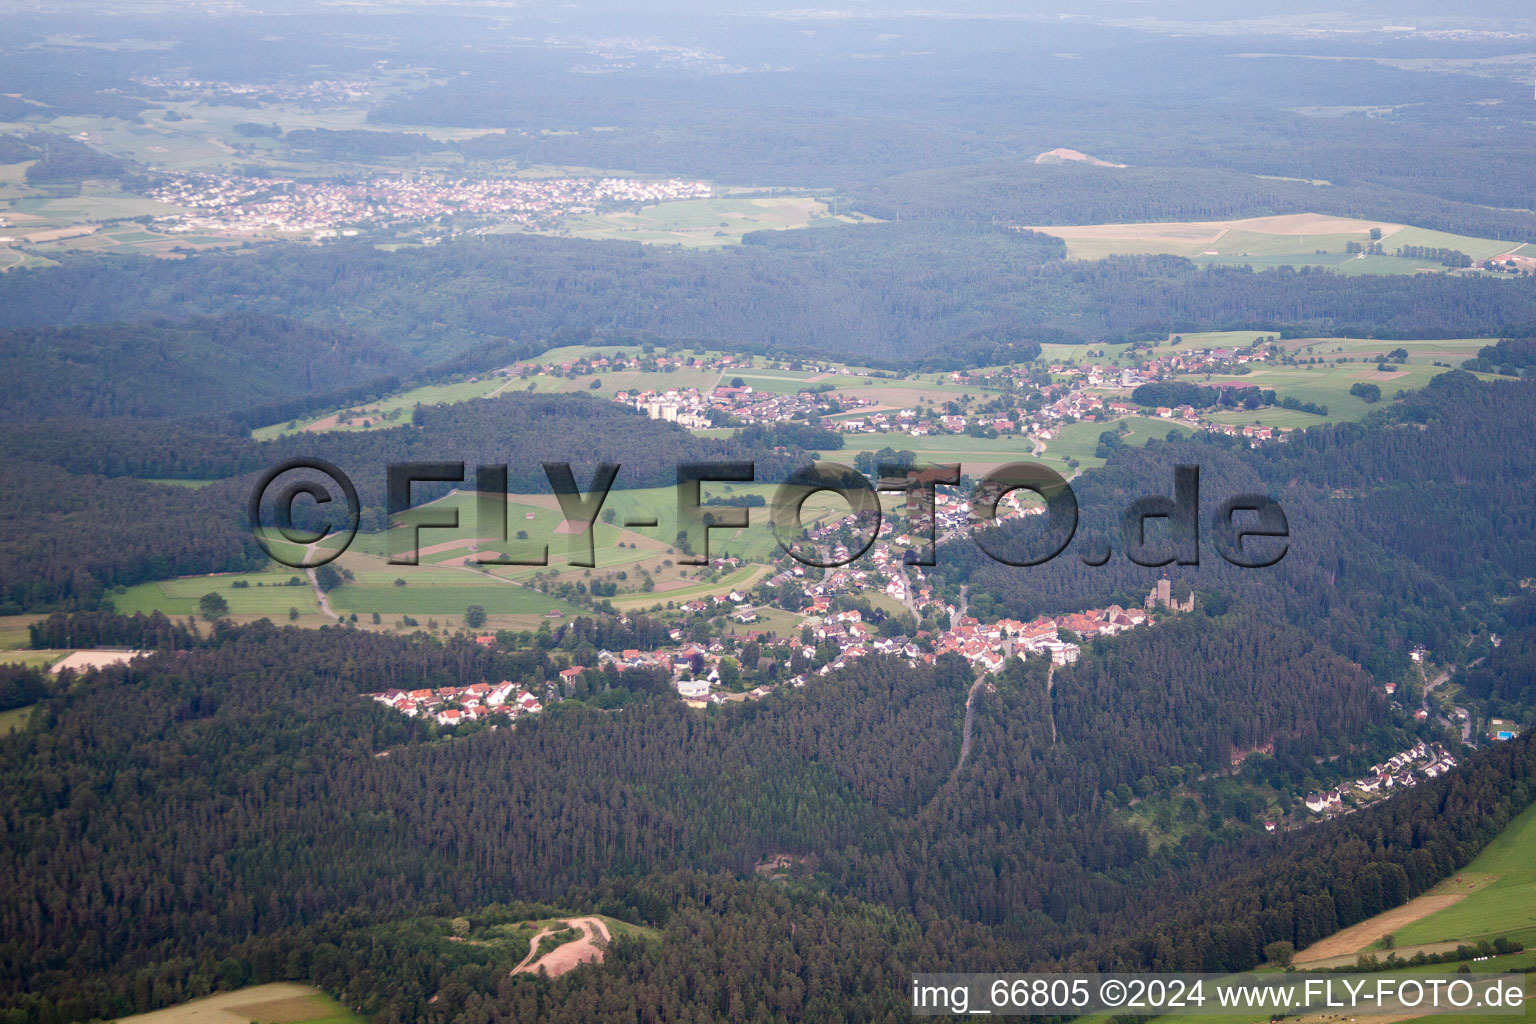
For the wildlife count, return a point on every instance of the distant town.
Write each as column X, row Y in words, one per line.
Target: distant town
column 229, row 204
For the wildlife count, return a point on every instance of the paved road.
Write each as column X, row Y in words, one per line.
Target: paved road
column 908, row 599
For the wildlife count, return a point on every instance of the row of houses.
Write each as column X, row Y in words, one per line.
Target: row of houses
column 1400, row 771
column 456, row 705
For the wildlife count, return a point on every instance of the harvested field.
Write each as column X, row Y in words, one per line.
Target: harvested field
column 1357, row 937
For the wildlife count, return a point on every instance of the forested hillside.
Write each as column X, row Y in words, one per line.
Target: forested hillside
column 1077, row 193
column 74, row 536
column 293, row 823
column 891, row 294
column 177, row 368
column 1409, row 529
column 238, row 235
column 73, row 491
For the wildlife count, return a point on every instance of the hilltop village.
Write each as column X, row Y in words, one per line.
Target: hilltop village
column 798, row 624
column 1032, row 401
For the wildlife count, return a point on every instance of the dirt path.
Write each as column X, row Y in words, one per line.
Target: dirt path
column 533, row 947
column 314, row 582
column 1050, row 703
column 568, row 955
column 970, row 716
column 449, row 545
column 1356, row 937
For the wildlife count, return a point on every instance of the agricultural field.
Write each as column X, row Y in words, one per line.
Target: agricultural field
column 447, row 580
column 440, row 594
column 763, row 375
column 392, row 411
column 640, row 563
column 267, row 594
column 1290, row 240
column 1497, row 896
column 1078, row 441
column 1102, row 354
column 284, row 1001
column 13, row 631
column 976, row 455
column 1504, row 905
column 1328, row 383
column 699, row 223
column 31, row 659
column 15, row 259
column 96, row 216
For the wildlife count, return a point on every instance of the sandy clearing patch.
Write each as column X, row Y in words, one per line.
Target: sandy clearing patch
column 80, row 661
column 1356, row 937
column 567, row 956
column 324, row 423
column 1062, row 153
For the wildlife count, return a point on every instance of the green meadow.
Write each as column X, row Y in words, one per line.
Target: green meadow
column 392, row 411
column 1504, row 906
column 698, row 223
column 15, row 719
column 1328, row 383
column 1079, row 441
column 265, row 594
column 430, row 592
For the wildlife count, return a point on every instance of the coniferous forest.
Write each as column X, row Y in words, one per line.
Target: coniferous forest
column 1284, row 249
column 230, row 809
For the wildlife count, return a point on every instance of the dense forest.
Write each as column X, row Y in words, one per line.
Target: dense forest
column 838, row 121
column 176, row 368
column 1505, row 677
column 1411, row 528
column 74, row 536
column 294, row 822
column 230, row 808
column 83, row 524
column 883, row 292
column 1077, row 193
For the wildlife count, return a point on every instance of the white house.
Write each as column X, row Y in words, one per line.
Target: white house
column 693, row 689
